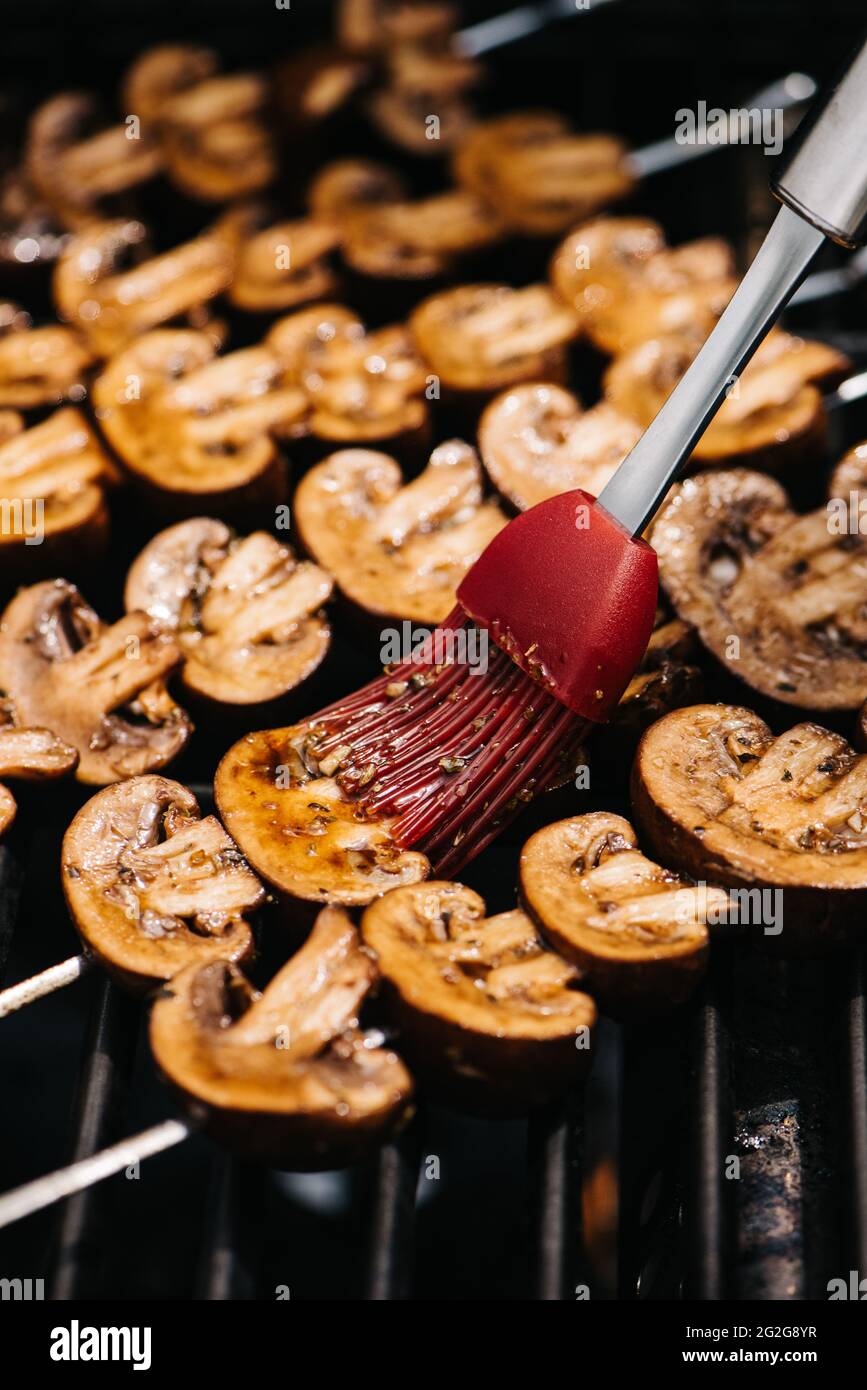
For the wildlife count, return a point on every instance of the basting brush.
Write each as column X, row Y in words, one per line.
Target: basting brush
column 567, row 592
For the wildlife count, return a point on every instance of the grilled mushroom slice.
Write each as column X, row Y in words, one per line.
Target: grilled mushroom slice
column 719, row 796
column 362, row 387
column 214, row 140
column 28, row 755
column 316, row 84
column 485, row 337
column 161, row 73
column 246, row 614
column 152, row 886
column 283, row 265
column 111, row 304
column 53, row 479
column 99, row 688
column 419, row 240
column 424, row 77
column 397, row 549
column 777, row 598
column 350, row 188
column 626, row 285
column 39, row 366
column 368, row 26
column 773, row 415
column 197, row 431
column 539, row 175
column 297, row 828
column 75, row 171
column 636, row 932
column 288, row 1076
column 536, row 441
column 485, row 1012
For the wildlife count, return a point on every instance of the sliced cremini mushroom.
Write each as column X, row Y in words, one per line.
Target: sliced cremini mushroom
column 162, row 72
column 285, row 264
column 362, row 387
column 111, row 302
column 197, row 430
column 421, row 239
column 299, row 830
column 214, row 139
column 539, row 175
column 486, row 337
column 247, row 615
column 421, row 105
column 536, row 441
column 778, row 598
column 288, row 1076
column 152, row 885
column 73, row 170
column 99, row 688
column 485, row 1012
column 53, row 479
column 626, row 285
column 39, row 366
column 636, row 932
column 397, row 549
column 367, row 26
column 350, row 188
column 719, row 796
column 28, row 755
column 773, row 414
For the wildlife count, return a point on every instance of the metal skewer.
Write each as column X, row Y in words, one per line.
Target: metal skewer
column 519, row 23
column 66, row 972
column 53, row 1187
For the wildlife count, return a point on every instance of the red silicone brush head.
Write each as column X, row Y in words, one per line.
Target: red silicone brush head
column 571, row 596
column 450, row 749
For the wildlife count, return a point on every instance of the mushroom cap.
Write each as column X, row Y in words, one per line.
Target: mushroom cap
column 283, row 265
column 286, row 1076
column 486, row 337
column 198, row 428
column 246, row 614
column 397, row 549
column 31, row 755
column 776, row 597
column 361, row 387
column 626, row 285
column 536, row 441
column 419, row 240
column 719, row 796
column 636, row 932
column 299, row 830
column 215, row 143
column 538, row 174
column 98, row 688
column 152, row 886
column 39, row 366
column 770, row 413
column 53, row 478
column 74, row 167
column 347, row 188
column 484, row 1009
column 111, row 302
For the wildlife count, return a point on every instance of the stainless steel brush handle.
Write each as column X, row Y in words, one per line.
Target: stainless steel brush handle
column 825, row 179
column 831, row 164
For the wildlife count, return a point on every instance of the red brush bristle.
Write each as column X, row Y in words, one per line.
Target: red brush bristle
column 453, row 755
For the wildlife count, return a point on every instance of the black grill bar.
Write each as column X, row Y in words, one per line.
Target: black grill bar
column 224, row 1269
column 857, row 1059
column 390, row 1256
column 708, row 1245
column 555, row 1160
column 109, row 1051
